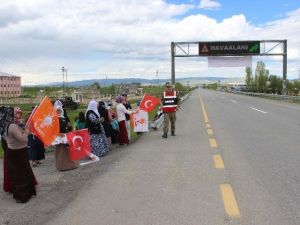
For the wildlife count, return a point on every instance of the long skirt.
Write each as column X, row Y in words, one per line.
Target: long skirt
column 107, row 129
column 114, row 136
column 62, row 158
column 99, row 143
column 6, row 178
column 23, row 181
column 123, row 136
column 36, row 150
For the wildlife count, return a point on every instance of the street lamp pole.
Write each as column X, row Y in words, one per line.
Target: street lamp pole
column 63, row 76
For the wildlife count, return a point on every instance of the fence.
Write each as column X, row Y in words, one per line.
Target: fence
column 19, row 101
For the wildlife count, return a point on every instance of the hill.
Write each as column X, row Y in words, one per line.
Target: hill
column 108, row 82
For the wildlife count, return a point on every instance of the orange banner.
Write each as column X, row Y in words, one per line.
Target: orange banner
column 45, row 122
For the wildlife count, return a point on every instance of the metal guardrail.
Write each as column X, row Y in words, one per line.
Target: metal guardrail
column 273, row 96
column 185, row 97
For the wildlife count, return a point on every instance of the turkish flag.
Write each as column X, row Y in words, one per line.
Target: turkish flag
column 149, row 102
column 79, row 142
column 45, row 122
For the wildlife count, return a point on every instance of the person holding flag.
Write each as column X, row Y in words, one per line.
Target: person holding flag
column 121, row 111
column 21, row 181
column 97, row 134
column 170, row 103
column 62, row 150
column 127, row 105
column 140, row 119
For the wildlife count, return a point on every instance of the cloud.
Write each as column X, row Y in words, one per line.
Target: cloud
column 209, row 4
column 120, row 38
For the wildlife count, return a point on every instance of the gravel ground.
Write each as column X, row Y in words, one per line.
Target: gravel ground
column 55, row 190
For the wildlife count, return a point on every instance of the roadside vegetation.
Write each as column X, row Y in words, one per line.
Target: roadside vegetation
column 72, row 114
column 261, row 81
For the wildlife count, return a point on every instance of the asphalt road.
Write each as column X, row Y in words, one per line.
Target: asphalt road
column 234, row 160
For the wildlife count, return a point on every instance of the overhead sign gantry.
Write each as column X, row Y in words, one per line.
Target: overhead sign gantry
column 230, row 48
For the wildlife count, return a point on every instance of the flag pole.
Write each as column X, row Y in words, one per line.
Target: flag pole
column 142, row 99
column 33, row 112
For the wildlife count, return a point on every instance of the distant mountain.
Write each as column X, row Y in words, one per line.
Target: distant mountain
column 108, row 82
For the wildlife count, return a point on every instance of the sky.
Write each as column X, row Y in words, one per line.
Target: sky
column 98, row 39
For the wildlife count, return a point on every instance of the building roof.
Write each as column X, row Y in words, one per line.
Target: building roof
column 2, row 74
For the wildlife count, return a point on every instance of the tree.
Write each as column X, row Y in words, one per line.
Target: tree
column 261, row 77
column 96, row 85
column 249, row 78
column 275, row 84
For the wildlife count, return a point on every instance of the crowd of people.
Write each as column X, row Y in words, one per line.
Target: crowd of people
column 23, row 149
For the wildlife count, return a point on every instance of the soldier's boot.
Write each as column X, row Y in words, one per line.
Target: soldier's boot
column 173, row 133
column 165, row 135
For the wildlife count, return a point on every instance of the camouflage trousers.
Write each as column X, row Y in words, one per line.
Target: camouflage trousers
column 171, row 116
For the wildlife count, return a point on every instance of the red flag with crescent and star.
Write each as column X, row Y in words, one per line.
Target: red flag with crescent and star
column 79, row 142
column 149, row 102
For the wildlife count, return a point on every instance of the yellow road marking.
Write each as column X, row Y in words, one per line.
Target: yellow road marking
column 207, row 125
column 219, row 164
column 205, row 117
column 210, row 131
column 213, row 143
column 229, row 201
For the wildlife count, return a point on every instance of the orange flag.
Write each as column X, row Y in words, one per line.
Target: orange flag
column 45, row 122
column 149, row 102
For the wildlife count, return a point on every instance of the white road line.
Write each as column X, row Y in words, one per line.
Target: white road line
column 258, row 110
column 233, row 101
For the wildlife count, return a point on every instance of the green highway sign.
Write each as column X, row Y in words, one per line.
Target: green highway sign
column 231, row 48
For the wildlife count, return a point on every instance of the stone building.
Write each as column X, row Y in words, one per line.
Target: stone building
column 130, row 89
column 10, row 85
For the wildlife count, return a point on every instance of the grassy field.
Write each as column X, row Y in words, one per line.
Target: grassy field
column 73, row 113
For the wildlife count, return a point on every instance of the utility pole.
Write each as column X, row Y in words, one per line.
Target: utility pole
column 65, row 80
column 284, row 69
column 63, row 77
column 173, row 62
column 157, row 77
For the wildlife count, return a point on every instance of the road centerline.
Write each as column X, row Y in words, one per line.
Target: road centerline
column 219, row 163
column 205, row 117
column 229, row 200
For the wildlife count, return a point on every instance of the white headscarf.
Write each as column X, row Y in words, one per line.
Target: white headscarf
column 56, row 107
column 93, row 105
column 57, row 103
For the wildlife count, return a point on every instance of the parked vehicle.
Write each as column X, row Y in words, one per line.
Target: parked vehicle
column 68, row 102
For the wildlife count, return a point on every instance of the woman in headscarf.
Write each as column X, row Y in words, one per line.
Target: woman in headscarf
column 106, row 123
column 18, row 117
column 62, row 150
column 59, row 103
column 121, row 111
column 6, row 177
column 96, row 131
column 21, row 176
